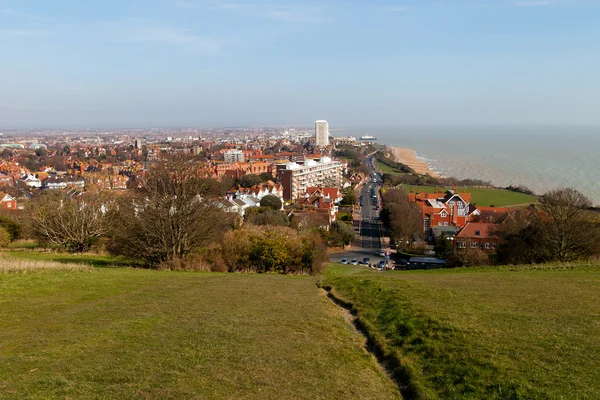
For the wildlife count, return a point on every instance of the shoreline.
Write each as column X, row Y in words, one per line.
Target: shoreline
column 409, row 158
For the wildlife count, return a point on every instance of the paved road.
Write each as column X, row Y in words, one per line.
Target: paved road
column 368, row 230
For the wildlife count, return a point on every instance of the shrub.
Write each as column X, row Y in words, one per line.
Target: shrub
column 272, row 202
column 272, row 249
column 4, row 237
column 12, row 227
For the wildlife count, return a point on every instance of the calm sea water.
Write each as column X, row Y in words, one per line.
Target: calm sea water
column 540, row 158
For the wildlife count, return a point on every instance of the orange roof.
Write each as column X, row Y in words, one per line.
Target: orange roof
column 498, row 210
column 470, row 230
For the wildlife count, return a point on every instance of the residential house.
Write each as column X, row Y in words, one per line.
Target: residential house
column 8, row 202
column 477, row 235
column 442, row 209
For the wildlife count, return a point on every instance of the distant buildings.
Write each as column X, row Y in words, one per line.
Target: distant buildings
column 322, row 133
column 233, row 156
column 296, row 178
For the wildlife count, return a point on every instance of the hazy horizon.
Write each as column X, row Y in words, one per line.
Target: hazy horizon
column 215, row 63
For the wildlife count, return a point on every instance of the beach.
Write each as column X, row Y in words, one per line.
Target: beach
column 409, row 157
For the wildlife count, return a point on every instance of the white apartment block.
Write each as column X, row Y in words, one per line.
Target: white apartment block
column 232, row 156
column 296, row 178
column 322, row 133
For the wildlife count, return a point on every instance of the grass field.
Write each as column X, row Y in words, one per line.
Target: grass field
column 511, row 332
column 482, row 196
column 120, row 333
column 386, row 169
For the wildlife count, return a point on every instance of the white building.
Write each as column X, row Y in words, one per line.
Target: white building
column 233, row 155
column 296, row 179
column 322, row 133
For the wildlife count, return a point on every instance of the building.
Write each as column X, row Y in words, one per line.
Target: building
column 8, row 202
column 322, row 133
column 233, row 156
column 442, row 209
column 138, row 144
column 477, row 235
column 296, row 179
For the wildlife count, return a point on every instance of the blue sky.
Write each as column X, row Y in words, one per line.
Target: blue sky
column 354, row 62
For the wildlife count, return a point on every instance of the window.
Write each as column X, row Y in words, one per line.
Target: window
column 477, row 233
column 487, row 245
column 461, row 245
column 474, row 245
column 493, row 245
column 439, row 224
column 445, row 223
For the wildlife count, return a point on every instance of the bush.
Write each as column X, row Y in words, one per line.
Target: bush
column 266, row 216
column 273, row 249
column 12, row 227
column 271, row 201
column 4, row 237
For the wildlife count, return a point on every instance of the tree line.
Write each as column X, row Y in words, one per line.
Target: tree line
column 172, row 219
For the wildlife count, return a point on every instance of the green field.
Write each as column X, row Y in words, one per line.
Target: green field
column 483, row 196
column 119, row 333
column 386, row 169
column 514, row 332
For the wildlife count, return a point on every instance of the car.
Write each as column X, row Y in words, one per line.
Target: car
column 344, row 261
column 381, row 253
column 366, row 260
column 354, row 262
column 361, row 262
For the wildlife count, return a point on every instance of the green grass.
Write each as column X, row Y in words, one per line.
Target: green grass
column 118, row 333
column 482, row 196
column 386, row 169
column 511, row 332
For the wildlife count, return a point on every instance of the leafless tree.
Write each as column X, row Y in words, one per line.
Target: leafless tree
column 168, row 217
column 567, row 227
column 71, row 222
column 401, row 217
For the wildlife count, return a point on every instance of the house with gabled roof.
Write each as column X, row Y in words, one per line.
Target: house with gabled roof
column 8, row 202
column 477, row 235
column 442, row 209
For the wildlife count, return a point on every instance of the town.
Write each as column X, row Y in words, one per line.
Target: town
column 314, row 178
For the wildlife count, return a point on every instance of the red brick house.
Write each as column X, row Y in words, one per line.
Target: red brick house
column 477, row 235
column 442, row 209
column 8, row 202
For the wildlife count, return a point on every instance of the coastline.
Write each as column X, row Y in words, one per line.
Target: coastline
column 409, row 158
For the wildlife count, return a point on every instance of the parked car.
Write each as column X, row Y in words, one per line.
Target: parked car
column 366, row 260
column 354, row 262
column 344, row 261
column 381, row 253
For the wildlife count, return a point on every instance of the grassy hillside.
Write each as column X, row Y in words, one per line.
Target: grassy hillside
column 116, row 333
column 487, row 333
column 482, row 196
column 386, row 169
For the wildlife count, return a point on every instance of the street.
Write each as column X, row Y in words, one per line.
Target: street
column 368, row 229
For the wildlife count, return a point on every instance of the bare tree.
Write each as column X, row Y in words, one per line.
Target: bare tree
column 566, row 225
column 401, row 217
column 168, row 217
column 73, row 223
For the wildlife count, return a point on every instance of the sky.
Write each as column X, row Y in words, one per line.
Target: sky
column 146, row 63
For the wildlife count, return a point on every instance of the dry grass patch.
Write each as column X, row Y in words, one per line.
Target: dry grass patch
column 21, row 265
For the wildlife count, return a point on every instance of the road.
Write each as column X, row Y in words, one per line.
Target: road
column 368, row 229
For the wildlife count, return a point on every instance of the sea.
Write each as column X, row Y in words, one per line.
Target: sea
column 539, row 157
